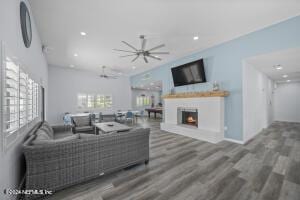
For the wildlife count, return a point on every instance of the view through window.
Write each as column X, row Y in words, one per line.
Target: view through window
column 93, row 101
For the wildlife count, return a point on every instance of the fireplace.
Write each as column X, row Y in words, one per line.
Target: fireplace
column 187, row 116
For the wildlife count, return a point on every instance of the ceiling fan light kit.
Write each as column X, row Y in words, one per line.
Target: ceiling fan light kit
column 104, row 75
column 142, row 52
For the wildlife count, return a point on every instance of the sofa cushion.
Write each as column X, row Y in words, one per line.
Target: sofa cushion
column 84, row 128
column 63, row 134
column 46, row 126
column 41, row 135
column 50, row 141
column 46, row 130
column 82, row 121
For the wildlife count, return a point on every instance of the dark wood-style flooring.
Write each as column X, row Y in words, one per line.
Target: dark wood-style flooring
column 182, row 168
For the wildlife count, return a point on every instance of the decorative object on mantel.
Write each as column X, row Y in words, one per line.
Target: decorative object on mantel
column 172, row 90
column 219, row 93
column 216, row 86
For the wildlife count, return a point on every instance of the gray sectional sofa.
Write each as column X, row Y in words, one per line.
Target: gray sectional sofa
column 58, row 159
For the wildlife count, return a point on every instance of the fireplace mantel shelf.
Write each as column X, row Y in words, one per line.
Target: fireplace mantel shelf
column 220, row 93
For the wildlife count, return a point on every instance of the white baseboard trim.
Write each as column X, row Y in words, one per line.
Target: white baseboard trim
column 235, row 141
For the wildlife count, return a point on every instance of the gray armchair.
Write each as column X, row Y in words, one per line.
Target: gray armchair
column 107, row 117
column 82, row 124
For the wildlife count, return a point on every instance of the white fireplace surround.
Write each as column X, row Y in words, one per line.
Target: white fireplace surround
column 210, row 118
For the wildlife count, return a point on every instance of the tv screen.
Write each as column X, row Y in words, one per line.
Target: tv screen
column 189, row 73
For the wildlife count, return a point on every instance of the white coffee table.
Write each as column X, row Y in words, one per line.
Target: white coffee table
column 109, row 127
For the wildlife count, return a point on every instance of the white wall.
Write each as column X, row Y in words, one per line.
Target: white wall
column 287, row 102
column 33, row 61
column 66, row 83
column 257, row 101
column 138, row 92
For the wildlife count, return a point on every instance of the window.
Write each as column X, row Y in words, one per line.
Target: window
column 90, row 101
column 19, row 100
column 11, row 97
column 35, row 100
column 81, row 101
column 108, row 101
column 143, row 101
column 23, row 98
column 29, row 100
column 94, row 101
column 99, row 101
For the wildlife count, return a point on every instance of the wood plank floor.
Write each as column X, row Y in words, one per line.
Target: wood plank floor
column 182, row 168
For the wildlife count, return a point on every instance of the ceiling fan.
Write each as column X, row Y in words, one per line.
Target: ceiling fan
column 104, row 75
column 142, row 51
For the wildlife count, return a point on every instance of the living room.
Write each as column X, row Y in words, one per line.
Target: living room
column 150, row 100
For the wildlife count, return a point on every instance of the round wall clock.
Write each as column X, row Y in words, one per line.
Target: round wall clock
column 25, row 24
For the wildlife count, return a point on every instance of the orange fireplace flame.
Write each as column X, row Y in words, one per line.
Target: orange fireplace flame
column 190, row 119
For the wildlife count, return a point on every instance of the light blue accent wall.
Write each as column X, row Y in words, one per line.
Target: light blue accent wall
column 223, row 63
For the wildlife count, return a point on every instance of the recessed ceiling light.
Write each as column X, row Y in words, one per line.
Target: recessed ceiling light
column 285, row 76
column 72, row 66
column 288, row 80
column 195, row 37
column 75, row 54
column 133, row 67
column 83, row 33
column 278, row 67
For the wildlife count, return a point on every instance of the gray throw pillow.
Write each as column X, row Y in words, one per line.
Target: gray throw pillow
column 48, row 127
column 41, row 136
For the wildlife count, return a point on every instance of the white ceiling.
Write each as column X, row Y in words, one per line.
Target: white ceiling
column 172, row 22
column 288, row 59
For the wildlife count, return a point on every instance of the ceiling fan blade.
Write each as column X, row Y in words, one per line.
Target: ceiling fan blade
column 154, row 57
column 143, row 43
column 123, row 50
column 157, row 47
column 145, row 59
column 159, row 52
column 130, row 45
column 107, row 76
column 128, row 55
column 135, row 58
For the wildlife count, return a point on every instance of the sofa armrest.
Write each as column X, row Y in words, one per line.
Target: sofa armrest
column 125, row 147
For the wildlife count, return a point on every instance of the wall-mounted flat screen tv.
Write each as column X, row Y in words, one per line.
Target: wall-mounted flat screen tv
column 189, row 73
